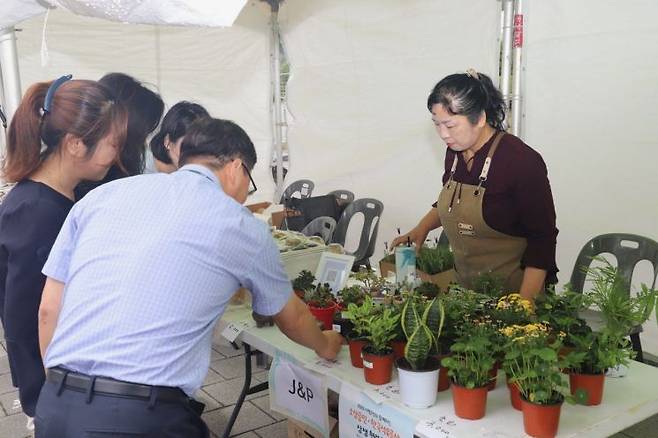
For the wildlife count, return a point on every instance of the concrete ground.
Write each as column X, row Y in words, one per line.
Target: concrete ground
column 220, row 391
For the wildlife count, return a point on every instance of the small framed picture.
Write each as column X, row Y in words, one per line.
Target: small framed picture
column 334, row 269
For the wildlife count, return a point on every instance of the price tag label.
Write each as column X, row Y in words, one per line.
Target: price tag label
column 298, row 393
column 233, row 330
column 443, row 427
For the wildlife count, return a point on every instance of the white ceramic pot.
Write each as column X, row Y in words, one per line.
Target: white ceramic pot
column 418, row 388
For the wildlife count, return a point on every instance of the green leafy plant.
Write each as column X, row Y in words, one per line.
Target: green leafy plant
column 560, row 312
column 360, row 317
column 489, row 284
column 382, row 328
column 473, row 354
column 422, row 323
column 304, row 281
column 611, row 296
column 435, row 259
column 320, row 297
column 372, row 282
column 461, row 304
column 595, row 352
column 532, row 362
column 428, row 290
column 351, row 295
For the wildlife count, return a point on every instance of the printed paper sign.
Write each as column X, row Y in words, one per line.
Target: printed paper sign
column 298, row 393
column 233, row 330
column 360, row 417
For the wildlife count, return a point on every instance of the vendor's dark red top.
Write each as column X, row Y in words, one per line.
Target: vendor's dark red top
column 518, row 199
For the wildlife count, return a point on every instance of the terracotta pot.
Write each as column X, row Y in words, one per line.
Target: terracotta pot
column 493, row 374
column 444, row 379
column 541, row 421
column 592, row 384
column 514, row 395
column 356, row 345
column 398, row 348
column 377, row 369
column 324, row 314
column 470, row 404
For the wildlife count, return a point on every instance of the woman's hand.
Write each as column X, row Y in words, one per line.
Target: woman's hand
column 416, row 235
column 419, row 233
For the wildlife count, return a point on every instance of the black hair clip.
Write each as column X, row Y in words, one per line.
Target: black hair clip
column 50, row 94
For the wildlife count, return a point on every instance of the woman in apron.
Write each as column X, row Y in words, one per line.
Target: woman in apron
column 495, row 206
column 63, row 132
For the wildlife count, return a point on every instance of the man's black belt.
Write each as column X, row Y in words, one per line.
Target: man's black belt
column 104, row 385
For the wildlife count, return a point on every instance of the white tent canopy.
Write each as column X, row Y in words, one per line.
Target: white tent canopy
column 167, row 12
column 360, row 75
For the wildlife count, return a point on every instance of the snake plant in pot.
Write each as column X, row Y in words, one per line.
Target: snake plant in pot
column 418, row 370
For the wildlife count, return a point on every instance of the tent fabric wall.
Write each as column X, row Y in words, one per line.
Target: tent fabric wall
column 360, row 76
column 591, row 109
column 226, row 70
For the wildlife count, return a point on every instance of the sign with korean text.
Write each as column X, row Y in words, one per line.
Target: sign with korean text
column 360, row 417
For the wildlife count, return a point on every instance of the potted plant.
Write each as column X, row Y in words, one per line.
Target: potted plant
column 359, row 316
column 377, row 353
column 418, row 370
column 346, row 296
column 490, row 285
column 561, row 313
column 322, row 304
column 531, row 361
column 608, row 347
column 435, row 264
column 373, row 284
column 469, row 365
column 510, row 309
column 428, row 290
column 303, row 282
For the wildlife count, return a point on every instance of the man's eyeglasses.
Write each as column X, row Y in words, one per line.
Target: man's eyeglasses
column 252, row 188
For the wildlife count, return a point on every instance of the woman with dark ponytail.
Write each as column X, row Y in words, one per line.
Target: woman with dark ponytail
column 496, row 206
column 145, row 109
column 165, row 145
column 63, row 132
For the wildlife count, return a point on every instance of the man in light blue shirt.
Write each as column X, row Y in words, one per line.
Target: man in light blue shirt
column 139, row 275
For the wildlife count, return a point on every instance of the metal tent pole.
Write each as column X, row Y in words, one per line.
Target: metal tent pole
column 517, row 70
column 275, row 69
column 11, row 81
column 506, row 52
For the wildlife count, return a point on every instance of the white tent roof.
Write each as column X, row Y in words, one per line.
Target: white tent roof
column 172, row 12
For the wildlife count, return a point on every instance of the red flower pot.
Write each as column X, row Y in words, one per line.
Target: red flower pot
column 541, row 421
column 444, row 379
column 377, row 369
column 592, row 384
column 398, row 348
column 470, row 404
column 356, row 345
column 514, row 395
column 493, row 374
column 324, row 314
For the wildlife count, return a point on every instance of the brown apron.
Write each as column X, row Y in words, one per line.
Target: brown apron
column 478, row 248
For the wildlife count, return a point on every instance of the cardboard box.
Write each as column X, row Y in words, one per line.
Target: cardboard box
column 301, row 430
column 259, row 207
column 442, row 279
